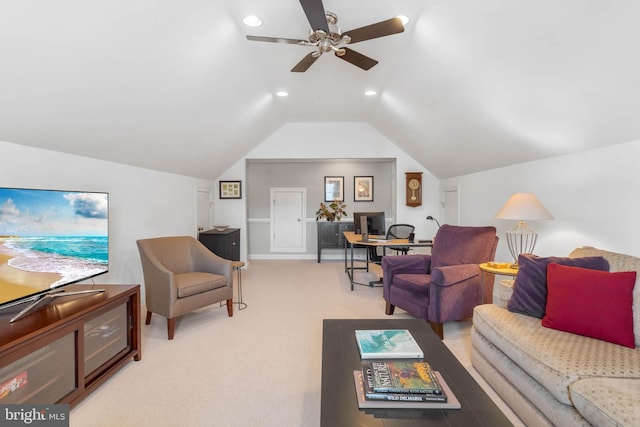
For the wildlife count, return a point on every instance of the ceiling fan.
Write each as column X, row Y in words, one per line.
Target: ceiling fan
column 326, row 36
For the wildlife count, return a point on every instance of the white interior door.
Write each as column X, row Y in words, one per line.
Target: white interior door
column 450, row 206
column 288, row 228
column 203, row 210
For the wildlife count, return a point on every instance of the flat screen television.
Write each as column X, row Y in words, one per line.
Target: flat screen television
column 50, row 239
column 375, row 223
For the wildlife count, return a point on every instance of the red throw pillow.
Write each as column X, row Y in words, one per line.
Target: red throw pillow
column 592, row 303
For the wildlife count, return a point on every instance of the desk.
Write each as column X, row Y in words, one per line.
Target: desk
column 501, row 271
column 351, row 239
column 340, row 357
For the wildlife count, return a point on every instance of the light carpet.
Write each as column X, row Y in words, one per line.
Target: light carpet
column 261, row 367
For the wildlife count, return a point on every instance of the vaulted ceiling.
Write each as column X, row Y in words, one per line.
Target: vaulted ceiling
column 176, row 86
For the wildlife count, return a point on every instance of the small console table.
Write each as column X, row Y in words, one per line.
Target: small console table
column 64, row 350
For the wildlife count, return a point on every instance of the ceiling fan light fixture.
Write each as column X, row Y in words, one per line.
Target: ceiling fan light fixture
column 326, row 46
column 326, row 36
column 345, row 39
column 332, row 18
column 252, row 21
column 332, row 21
column 404, row 19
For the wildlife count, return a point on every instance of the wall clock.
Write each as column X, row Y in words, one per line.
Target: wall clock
column 414, row 189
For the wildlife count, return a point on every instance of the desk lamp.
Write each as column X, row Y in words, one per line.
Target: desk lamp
column 522, row 207
column 430, row 218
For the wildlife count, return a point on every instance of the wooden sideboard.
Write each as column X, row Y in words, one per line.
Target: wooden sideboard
column 331, row 235
column 64, row 350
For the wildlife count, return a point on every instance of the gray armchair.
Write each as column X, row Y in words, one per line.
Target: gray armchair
column 181, row 275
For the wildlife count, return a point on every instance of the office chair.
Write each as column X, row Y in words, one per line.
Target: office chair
column 395, row 231
column 400, row 231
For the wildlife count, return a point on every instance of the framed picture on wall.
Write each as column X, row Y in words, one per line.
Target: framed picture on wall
column 333, row 188
column 363, row 189
column 230, row 190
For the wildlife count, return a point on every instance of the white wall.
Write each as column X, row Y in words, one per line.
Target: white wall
column 142, row 203
column 233, row 212
column 336, row 140
column 593, row 196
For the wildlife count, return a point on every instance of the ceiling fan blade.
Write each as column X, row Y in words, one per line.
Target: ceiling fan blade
column 380, row 29
column 304, row 65
column 276, row 40
column 357, row 59
column 315, row 14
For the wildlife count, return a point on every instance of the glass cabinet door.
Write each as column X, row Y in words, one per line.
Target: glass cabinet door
column 46, row 375
column 104, row 337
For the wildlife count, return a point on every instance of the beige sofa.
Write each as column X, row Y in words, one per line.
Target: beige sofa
column 550, row 377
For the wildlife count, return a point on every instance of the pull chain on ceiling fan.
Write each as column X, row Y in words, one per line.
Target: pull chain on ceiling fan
column 326, row 36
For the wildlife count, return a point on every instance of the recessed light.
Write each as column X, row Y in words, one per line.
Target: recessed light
column 282, row 93
column 252, row 21
column 404, row 19
column 371, row 93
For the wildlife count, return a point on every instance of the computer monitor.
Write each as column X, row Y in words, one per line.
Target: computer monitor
column 375, row 223
column 364, row 228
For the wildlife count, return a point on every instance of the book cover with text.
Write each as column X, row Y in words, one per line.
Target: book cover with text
column 364, row 403
column 369, row 393
column 395, row 376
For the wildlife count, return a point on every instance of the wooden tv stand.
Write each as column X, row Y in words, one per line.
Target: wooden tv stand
column 64, row 350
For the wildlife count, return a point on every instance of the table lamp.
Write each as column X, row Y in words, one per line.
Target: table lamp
column 522, row 207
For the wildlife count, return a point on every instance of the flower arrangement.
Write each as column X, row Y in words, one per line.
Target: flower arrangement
column 333, row 211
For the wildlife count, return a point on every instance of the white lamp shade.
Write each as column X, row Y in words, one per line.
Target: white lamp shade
column 523, row 207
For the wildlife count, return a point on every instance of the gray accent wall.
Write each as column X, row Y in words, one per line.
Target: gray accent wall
column 263, row 175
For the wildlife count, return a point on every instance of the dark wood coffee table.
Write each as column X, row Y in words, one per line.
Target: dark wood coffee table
column 340, row 357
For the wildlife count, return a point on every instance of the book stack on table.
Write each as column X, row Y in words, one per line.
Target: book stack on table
column 387, row 381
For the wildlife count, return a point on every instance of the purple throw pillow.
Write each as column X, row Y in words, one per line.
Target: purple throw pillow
column 530, row 286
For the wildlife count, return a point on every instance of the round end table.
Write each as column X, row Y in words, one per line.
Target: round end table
column 237, row 266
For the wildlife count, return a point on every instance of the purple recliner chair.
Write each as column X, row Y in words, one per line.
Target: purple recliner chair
column 445, row 285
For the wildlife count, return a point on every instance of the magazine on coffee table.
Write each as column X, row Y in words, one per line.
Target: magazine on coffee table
column 363, row 403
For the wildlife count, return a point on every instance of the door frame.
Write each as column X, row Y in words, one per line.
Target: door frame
column 450, row 189
column 303, row 221
column 198, row 192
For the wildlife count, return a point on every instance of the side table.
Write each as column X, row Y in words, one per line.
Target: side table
column 488, row 268
column 237, row 266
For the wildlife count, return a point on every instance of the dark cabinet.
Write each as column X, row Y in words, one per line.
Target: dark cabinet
column 225, row 244
column 330, row 235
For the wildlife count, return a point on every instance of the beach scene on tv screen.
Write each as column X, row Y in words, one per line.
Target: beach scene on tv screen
column 50, row 238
